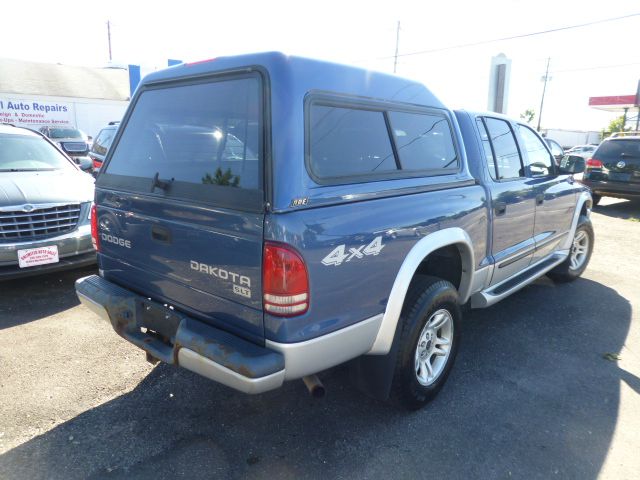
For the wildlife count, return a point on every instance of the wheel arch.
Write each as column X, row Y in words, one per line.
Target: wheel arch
column 583, row 207
column 454, row 236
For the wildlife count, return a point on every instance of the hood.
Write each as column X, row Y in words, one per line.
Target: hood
column 20, row 188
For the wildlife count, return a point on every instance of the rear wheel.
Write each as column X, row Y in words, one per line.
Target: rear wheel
column 579, row 255
column 596, row 198
column 428, row 341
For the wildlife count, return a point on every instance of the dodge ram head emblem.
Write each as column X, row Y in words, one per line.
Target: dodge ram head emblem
column 621, row 164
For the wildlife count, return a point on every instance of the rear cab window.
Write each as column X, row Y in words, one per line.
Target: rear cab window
column 359, row 142
column 204, row 138
column 103, row 141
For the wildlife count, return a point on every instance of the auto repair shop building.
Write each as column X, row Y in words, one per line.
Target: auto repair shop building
column 36, row 94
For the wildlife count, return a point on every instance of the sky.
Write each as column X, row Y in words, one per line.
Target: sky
column 596, row 60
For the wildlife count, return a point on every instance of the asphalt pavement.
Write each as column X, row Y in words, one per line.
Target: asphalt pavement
column 546, row 385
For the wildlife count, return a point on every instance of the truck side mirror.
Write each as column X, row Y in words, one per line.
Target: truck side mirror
column 571, row 164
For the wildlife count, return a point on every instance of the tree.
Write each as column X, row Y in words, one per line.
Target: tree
column 616, row 125
column 227, row 178
column 528, row 115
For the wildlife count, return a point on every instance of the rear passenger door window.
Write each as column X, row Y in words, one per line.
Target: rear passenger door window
column 507, row 156
column 539, row 160
column 488, row 151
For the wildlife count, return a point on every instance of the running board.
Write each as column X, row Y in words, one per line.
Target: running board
column 494, row 294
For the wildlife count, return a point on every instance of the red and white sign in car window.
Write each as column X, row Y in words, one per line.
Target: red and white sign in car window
column 31, row 257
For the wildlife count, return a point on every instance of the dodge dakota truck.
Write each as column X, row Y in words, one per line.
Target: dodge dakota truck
column 262, row 218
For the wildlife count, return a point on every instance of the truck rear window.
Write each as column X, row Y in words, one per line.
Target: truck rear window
column 198, row 137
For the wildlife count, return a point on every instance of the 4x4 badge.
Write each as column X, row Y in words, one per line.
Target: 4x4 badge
column 338, row 254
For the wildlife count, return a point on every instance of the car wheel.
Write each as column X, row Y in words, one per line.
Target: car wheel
column 596, row 199
column 579, row 255
column 429, row 336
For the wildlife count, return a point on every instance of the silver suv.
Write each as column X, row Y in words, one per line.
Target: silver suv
column 45, row 206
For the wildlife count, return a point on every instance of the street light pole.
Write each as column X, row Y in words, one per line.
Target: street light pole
column 544, row 89
column 395, row 57
column 109, row 37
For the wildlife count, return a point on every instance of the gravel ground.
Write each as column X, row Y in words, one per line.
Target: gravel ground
column 536, row 392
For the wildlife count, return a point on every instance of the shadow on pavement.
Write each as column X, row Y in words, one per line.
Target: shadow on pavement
column 27, row 299
column 531, row 396
column 624, row 209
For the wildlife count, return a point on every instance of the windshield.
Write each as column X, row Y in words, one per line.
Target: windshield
column 21, row 153
column 65, row 133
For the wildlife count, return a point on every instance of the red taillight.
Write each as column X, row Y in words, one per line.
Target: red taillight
column 95, row 239
column 285, row 283
column 594, row 163
column 96, row 163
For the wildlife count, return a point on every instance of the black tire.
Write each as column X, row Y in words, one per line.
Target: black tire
column 564, row 272
column 426, row 297
column 596, row 199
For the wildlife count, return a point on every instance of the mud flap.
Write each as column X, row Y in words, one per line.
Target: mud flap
column 373, row 374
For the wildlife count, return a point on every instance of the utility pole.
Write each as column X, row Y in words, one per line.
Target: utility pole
column 546, row 78
column 109, row 37
column 395, row 57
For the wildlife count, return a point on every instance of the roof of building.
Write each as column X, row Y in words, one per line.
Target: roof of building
column 33, row 78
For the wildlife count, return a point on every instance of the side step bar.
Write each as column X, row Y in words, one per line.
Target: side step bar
column 494, row 294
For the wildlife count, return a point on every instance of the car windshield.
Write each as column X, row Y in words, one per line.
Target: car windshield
column 21, row 153
column 65, row 133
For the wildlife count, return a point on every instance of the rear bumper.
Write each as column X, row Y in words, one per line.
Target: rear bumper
column 613, row 189
column 178, row 339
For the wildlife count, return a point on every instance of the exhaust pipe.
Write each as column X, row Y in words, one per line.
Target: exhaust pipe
column 314, row 385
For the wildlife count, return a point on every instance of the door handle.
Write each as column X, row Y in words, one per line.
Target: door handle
column 540, row 199
column 161, row 234
column 500, row 208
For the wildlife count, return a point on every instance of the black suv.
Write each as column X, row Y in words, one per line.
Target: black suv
column 614, row 169
column 72, row 141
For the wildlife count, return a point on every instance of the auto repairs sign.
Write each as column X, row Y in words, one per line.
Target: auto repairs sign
column 34, row 113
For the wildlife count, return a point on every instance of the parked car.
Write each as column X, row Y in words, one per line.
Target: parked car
column 614, row 168
column 101, row 145
column 73, row 142
column 583, row 150
column 45, row 205
column 263, row 218
column 556, row 149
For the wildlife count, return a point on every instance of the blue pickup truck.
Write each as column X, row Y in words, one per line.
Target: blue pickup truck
column 262, row 218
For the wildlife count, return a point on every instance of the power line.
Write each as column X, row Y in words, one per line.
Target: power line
column 599, row 67
column 514, row 37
